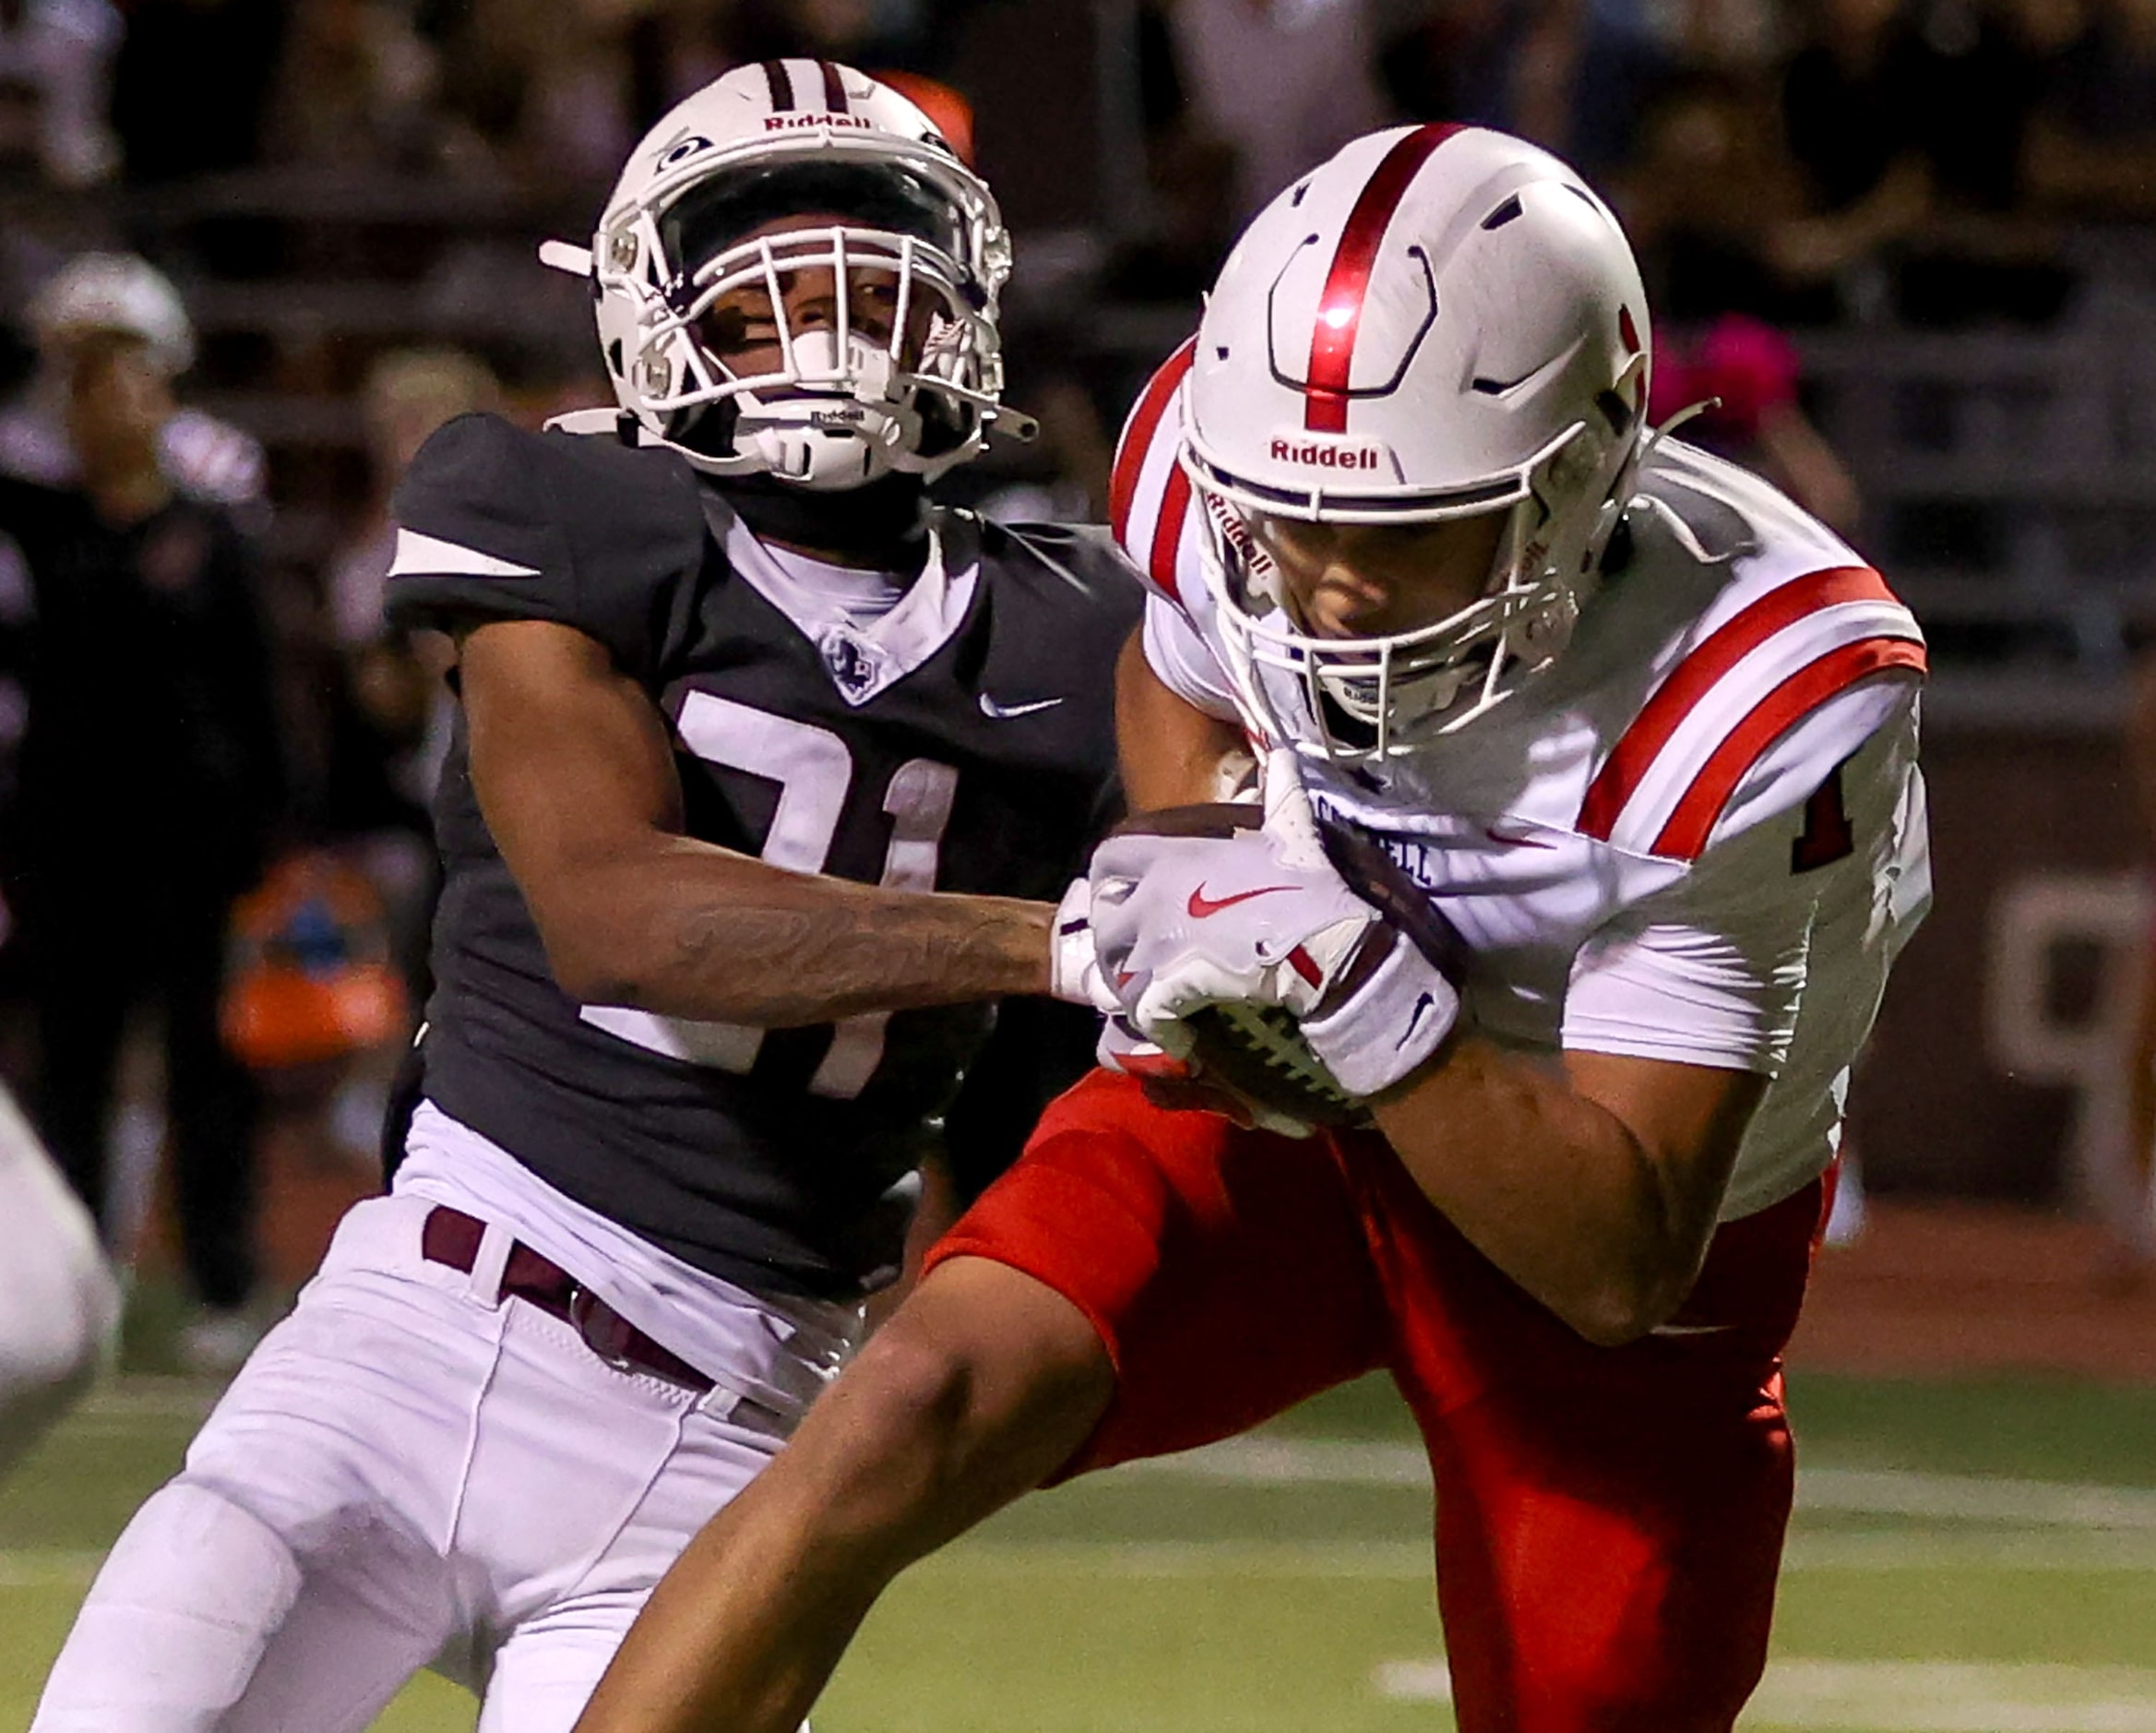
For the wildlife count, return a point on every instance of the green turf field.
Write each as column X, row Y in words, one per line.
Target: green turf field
column 1966, row 1556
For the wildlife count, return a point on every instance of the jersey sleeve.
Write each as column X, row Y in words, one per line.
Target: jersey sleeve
column 1153, row 514
column 1149, row 493
column 1745, row 724
column 1184, row 663
column 1714, row 971
column 496, row 523
column 1711, row 973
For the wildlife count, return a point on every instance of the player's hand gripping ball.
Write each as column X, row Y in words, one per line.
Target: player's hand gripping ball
column 1293, row 964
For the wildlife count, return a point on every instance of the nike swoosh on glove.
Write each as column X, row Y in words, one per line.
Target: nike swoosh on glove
column 1259, row 915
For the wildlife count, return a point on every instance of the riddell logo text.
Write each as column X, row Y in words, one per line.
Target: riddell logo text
column 1325, row 457
column 781, row 123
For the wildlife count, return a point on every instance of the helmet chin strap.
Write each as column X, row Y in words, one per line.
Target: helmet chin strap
column 828, row 438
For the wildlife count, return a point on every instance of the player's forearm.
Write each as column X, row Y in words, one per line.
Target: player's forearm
column 1553, row 1188
column 1172, row 752
column 704, row 934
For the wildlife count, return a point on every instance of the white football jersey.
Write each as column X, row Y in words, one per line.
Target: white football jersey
column 1699, row 837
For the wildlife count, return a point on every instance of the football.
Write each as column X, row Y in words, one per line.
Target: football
column 1257, row 1051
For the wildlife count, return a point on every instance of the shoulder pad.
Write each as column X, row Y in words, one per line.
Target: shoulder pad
column 1149, row 493
column 1079, row 561
column 1777, row 664
column 493, row 523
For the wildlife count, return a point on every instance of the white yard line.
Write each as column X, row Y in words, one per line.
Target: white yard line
column 1385, row 1560
column 1904, row 1696
column 48, row 1567
column 135, row 1399
column 1410, row 1560
column 1871, row 1492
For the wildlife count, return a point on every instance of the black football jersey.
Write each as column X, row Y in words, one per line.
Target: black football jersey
column 965, row 743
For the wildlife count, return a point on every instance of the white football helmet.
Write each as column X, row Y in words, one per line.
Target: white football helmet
column 1440, row 321
column 843, row 405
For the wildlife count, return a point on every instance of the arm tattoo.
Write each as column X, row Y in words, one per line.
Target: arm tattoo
column 785, row 966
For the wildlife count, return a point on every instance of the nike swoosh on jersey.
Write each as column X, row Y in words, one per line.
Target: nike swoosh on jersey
column 430, row 557
column 1202, row 905
column 1004, row 712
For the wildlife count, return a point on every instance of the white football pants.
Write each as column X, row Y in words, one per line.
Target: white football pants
column 409, row 1471
column 59, row 1302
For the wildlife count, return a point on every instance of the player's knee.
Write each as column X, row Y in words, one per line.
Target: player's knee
column 177, row 1621
column 969, row 1397
column 908, row 1416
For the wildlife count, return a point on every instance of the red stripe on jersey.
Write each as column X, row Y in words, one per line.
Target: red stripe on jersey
column 1137, row 438
column 1811, row 686
column 834, row 90
column 1168, row 531
column 1339, row 307
column 1696, row 675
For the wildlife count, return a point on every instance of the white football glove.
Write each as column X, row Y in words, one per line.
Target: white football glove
column 1261, row 916
column 1074, row 967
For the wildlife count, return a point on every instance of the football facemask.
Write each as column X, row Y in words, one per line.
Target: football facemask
column 826, row 355
column 1373, row 698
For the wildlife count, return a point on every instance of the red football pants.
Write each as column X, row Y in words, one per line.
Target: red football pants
column 1609, row 1520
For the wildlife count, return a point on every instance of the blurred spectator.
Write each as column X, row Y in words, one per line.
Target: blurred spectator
column 55, row 65
column 95, row 297
column 2129, row 1212
column 1281, row 83
column 866, row 34
column 1746, row 372
column 1190, row 182
column 1700, row 197
column 394, row 727
column 356, row 86
column 408, row 394
column 1909, row 119
column 1455, row 59
column 192, row 85
column 1063, row 475
column 2091, row 150
column 564, row 90
column 149, row 780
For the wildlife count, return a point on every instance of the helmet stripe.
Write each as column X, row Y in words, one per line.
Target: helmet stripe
column 1340, row 308
column 834, row 90
column 780, row 82
column 1137, row 438
column 1693, row 678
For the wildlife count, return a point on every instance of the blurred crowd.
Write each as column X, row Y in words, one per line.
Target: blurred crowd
column 161, row 90
column 1794, row 159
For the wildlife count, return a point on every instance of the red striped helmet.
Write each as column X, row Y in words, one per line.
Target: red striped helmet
column 687, row 232
column 1440, row 321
